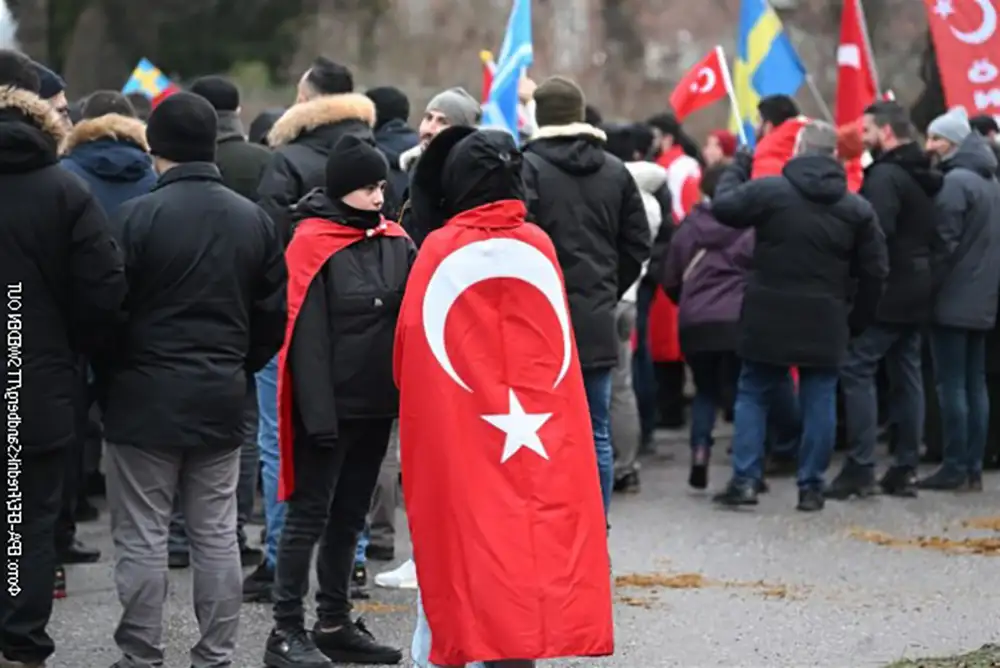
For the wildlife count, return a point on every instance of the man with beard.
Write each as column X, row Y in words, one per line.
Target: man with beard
column 965, row 307
column 900, row 185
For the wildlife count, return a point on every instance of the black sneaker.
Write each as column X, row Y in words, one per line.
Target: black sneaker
column 899, row 481
column 354, row 643
column 698, row 476
column 293, row 649
column 737, row 494
column 944, row 480
column 59, row 588
column 810, row 500
column 250, row 556
column 178, row 560
column 762, row 487
column 853, row 480
column 257, row 586
column 628, row 483
column 359, row 582
column 379, row 553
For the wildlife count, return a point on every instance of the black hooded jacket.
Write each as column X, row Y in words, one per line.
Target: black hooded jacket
column 901, row 185
column 589, row 204
column 817, row 247
column 302, row 140
column 63, row 275
column 341, row 350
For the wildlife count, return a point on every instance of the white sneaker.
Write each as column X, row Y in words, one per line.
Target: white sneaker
column 403, row 577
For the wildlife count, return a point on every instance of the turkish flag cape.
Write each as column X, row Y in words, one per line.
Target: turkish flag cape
column 315, row 241
column 509, row 542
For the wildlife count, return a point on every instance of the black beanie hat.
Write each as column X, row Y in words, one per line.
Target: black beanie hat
column 18, row 71
column 390, row 104
column 50, row 83
column 354, row 163
column 219, row 91
column 261, row 125
column 182, row 129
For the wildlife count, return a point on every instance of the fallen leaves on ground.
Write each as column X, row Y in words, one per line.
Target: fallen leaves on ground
column 986, row 657
column 652, row 582
column 376, row 608
column 986, row 523
column 989, row 547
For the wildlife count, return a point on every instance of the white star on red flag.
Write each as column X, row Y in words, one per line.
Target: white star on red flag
column 521, row 429
column 944, row 8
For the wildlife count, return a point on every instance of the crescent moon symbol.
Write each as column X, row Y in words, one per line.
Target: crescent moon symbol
column 709, row 79
column 986, row 28
column 480, row 261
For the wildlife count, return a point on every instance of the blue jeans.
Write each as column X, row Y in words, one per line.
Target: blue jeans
column 643, row 373
column 900, row 346
column 597, row 383
column 359, row 552
column 960, row 369
column 765, row 389
column 711, row 372
column 267, row 442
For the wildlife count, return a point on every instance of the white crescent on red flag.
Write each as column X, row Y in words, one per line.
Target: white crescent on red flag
column 856, row 88
column 703, row 85
column 968, row 52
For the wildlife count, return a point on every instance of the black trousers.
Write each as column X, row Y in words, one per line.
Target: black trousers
column 24, row 614
column 333, row 492
column 75, row 464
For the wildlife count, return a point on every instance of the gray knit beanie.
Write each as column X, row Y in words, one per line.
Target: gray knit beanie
column 953, row 126
column 460, row 108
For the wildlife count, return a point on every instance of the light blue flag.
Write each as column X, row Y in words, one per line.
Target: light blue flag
column 516, row 55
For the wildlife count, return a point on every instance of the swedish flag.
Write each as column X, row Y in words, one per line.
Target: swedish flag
column 766, row 62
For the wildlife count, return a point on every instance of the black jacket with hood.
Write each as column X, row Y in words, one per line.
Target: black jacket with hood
column 901, row 185
column 62, row 272
column 206, row 308
column 819, row 252
column 969, row 206
column 302, row 140
column 341, row 351
column 394, row 138
column 241, row 163
column 589, row 204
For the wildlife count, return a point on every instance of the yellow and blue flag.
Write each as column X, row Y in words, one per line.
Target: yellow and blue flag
column 766, row 63
column 149, row 80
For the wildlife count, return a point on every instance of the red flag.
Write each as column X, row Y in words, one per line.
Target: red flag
column 967, row 42
column 704, row 84
column 164, row 94
column 856, row 87
column 502, row 492
column 488, row 68
column 314, row 243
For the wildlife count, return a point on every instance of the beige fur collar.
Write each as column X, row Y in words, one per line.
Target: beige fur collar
column 109, row 126
column 307, row 116
column 37, row 110
column 571, row 130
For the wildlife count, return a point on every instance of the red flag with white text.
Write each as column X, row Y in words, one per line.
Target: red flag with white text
column 968, row 52
column 856, row 87
column 703, row 85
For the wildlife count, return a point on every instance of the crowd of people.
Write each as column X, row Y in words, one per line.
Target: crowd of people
column 208, row 312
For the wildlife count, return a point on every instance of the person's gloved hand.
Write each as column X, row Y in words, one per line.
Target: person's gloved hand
column 744, row 159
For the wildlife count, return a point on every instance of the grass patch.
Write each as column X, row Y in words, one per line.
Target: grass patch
column 988, row 656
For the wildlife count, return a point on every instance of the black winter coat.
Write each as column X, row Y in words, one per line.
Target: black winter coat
column 901, row 186
column 64, row 282
column 589, row 204
column 818, row 249
column 302, row 140
column 241, row 163
column 341, row 349
column 206, row 307
column 393, row 139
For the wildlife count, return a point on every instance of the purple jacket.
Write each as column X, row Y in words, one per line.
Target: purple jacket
column 713, row 281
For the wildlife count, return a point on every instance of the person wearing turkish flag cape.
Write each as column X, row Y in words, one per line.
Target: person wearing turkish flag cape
column 501, row 484
column 347, row 269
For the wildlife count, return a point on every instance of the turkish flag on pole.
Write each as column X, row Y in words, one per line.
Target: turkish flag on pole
column 856, row 86
column 704, row 84
column 967, row 47
column 502, row 492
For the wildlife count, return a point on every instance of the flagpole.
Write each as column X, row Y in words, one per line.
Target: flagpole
column 814, row 89
column 727, row 81
column 860, row 10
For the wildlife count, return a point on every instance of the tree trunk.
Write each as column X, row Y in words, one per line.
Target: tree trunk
column 32, row 18
column 93, row 62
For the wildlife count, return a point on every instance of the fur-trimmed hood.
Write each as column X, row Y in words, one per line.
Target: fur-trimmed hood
column 110, row 148
column 305, row 118
column 30, row 131
column 576, row 148
column 110, row 126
